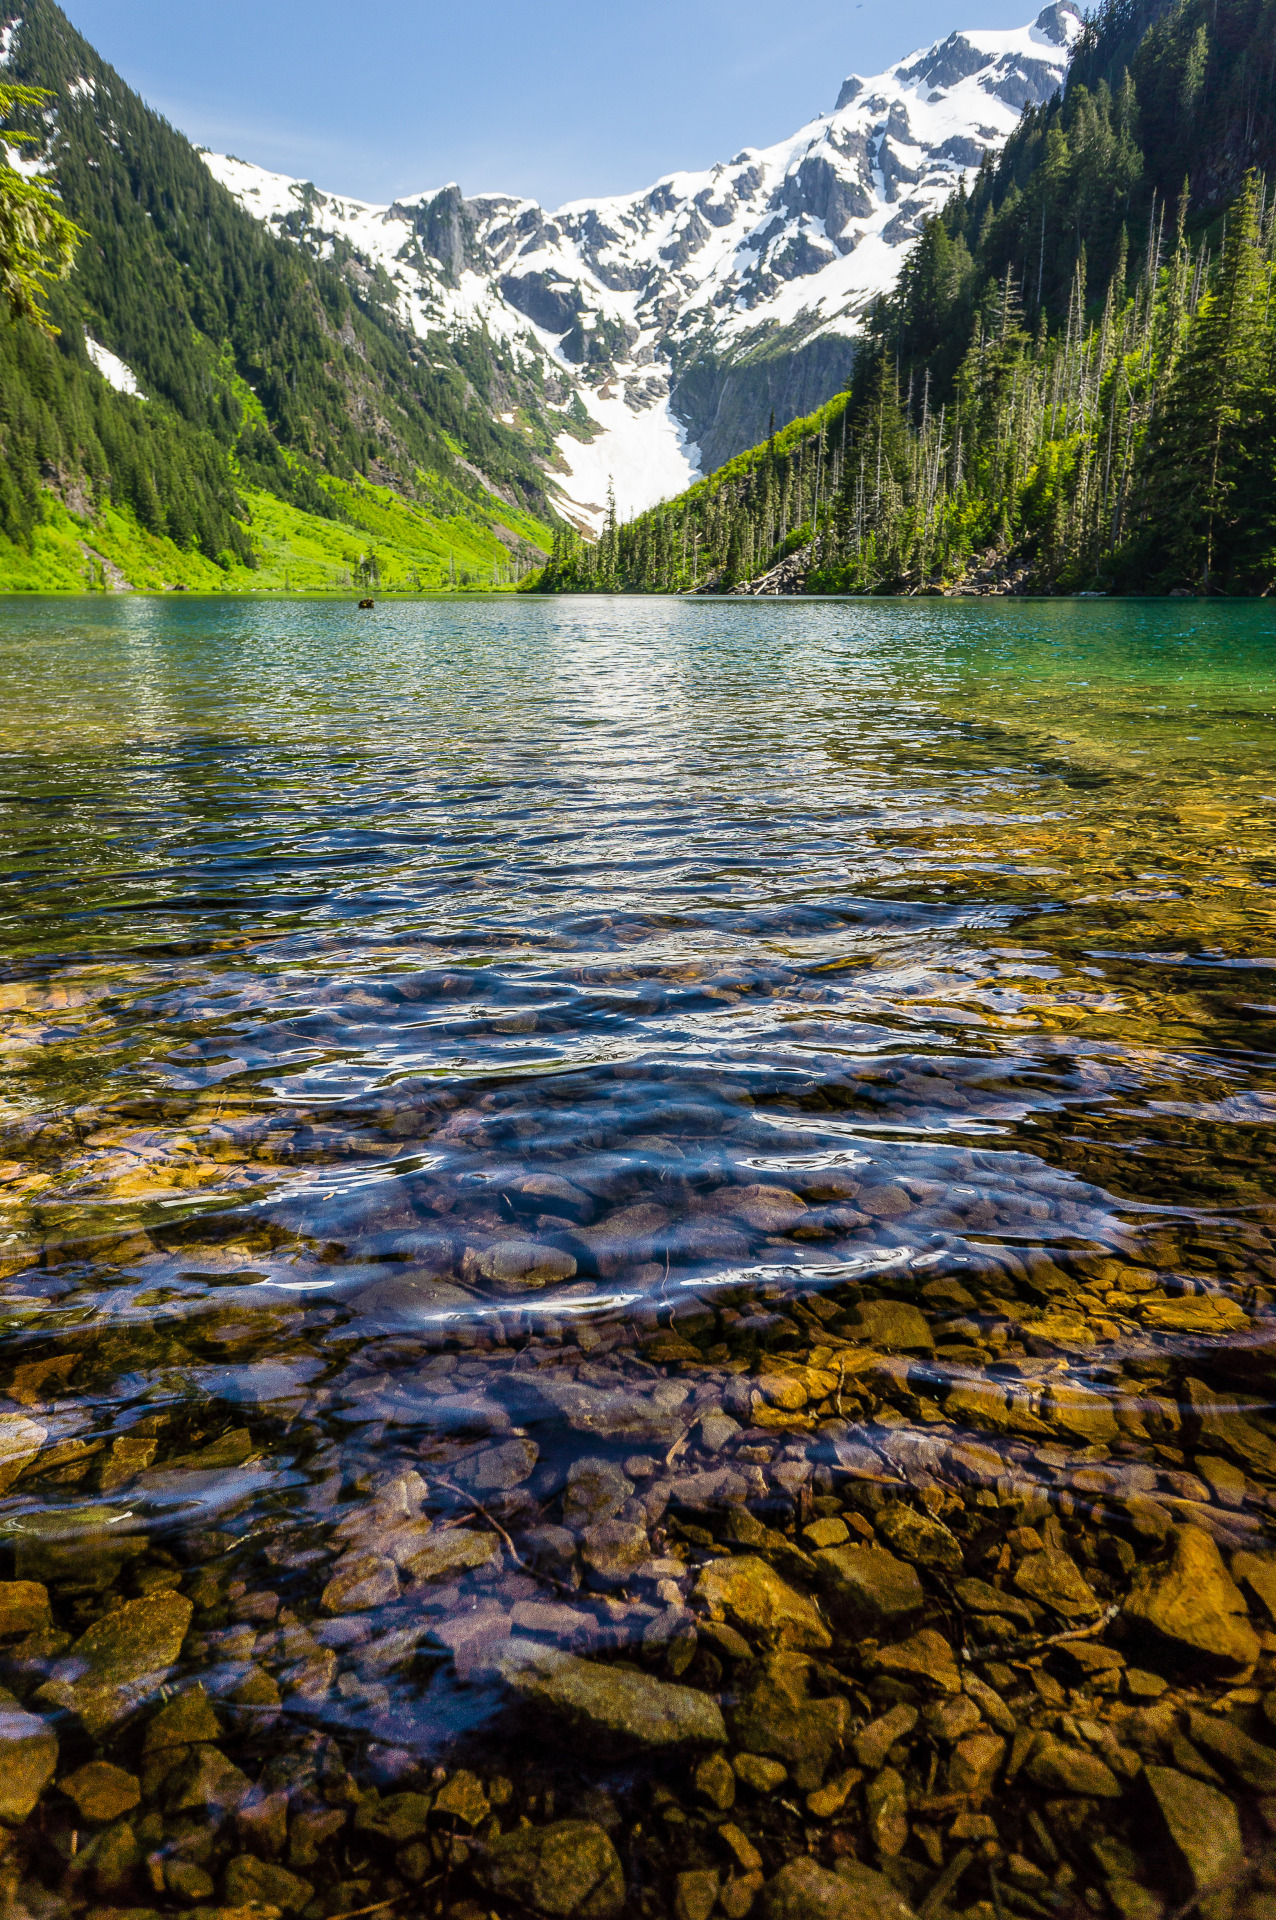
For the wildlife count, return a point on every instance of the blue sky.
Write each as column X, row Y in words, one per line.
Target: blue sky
column 554, row 102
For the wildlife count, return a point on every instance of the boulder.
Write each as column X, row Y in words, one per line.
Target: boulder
column 1193, row 1606
column 257, row 1883
column 925, row 1656
column 497, row 1469
column 625, row 1710
column 1228, row 1424
column 975, row 1763
column 20, row 1441
column 868, row 1590
column 750, row 1595
column 28, row 1756
column 1083, row 1414
column 451, row 1550
column 568, row 1870
column 875, row 1741
column 803, row 1890
column 360, row 1581
column 613, row 1551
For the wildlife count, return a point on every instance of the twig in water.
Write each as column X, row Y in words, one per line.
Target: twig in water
column 496, row 1527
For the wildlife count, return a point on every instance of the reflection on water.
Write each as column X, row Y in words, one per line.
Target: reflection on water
column 638, row 1259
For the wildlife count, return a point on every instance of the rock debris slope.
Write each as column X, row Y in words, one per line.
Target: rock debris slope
column 665, row 326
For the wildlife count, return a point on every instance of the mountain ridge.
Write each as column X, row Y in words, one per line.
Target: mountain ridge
column 664, row 326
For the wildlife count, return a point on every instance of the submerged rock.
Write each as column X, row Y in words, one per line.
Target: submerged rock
column 120, row 1661
column 569, row 1870
column 102, row 1792
column 1204, row 1837
column 28, row 1757
column 776, row 1716
column 20, row 1441
column 629, row 1710
column 1193, row 1605
column 803, row 1890
column 1054, row 1579
column 868, row 1590
column 750, row 1595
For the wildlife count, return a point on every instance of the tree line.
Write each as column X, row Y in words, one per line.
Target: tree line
column 1072, row 384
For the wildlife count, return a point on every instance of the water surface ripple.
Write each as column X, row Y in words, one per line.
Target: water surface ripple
column 590, row 1187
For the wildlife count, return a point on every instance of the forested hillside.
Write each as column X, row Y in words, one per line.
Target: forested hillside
column 1073, row 385
column 261, row 372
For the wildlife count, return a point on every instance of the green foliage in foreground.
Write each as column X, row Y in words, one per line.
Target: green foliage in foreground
column 1075, row 376
column 37, row 241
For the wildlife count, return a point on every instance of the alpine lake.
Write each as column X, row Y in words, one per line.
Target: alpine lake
column 638, row 1259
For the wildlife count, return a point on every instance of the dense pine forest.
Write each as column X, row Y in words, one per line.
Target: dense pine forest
column 1072, row 386
column 266, row 374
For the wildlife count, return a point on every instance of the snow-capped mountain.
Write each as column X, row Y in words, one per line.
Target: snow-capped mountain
column 663, row 327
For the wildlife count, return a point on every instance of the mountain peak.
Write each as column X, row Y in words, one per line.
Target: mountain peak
column 669, row 322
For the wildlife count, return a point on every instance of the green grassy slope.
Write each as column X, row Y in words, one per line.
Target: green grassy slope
column 290, row 427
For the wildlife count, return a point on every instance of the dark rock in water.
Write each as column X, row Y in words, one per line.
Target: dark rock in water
column 396, row 1819
column 867, row 1589
column 628, row 1710
column 1203, row 1833
column 569, row 1871
column 1193, row 1606
column 916, row 1537
column 411, row 1300
column 803, row 1890
column 1246, row 1760
column 636, row 1418
column 360, row 1581
column 551, row 1550
column 776, row 1716
column 893, row 1325
column 24, row 1607
column 520, row 1266
column 596, row 1490
column 120, row 1661
column 102, row 1792
column 1229, row 1424
column 613, row 1551
column 1058, row 1768
column 497, row 1469
column 261, row 1883
column 28, row 1756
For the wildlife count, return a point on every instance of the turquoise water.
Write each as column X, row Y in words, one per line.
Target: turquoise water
column 482, row 1041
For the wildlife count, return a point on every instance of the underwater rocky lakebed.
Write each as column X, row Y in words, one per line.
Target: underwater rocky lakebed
column 638, row 1260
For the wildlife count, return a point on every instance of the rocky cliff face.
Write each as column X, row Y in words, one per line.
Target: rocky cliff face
column 658, row 331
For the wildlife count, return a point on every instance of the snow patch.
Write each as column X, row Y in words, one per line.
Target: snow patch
column 7, row 37
column 645, row 456
column 113, row 369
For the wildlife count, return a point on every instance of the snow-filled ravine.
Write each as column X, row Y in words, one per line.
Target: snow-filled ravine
column 607, row 302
